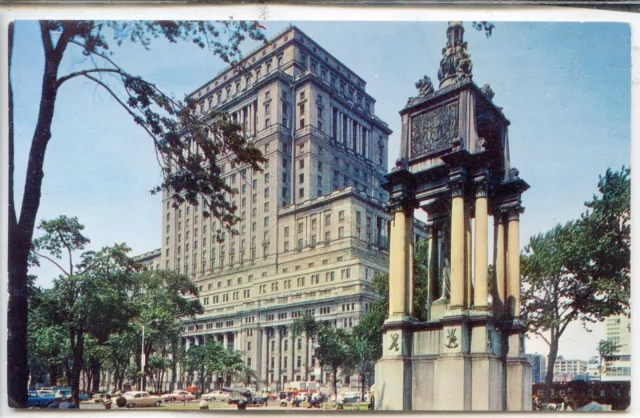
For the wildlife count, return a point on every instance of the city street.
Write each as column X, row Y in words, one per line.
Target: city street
column 212, row 405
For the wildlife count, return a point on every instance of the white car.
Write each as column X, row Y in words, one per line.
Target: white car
column 140, row 398
column 216, row 395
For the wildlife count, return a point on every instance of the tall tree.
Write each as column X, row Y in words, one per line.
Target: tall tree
column 188, row 167
column 205, row 359
column 89, row 292
column 606, row 350
column 579, row 271
column 363, row 353
column 333, row 352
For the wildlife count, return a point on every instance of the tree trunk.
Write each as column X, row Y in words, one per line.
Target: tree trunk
column 21, row 231
column 335, row 382
column 96, row 370
column 551, row 361
column 78, row 354
column 53, row 374
column 67, row 373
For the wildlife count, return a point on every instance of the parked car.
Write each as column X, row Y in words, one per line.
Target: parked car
column 216, row 395
column 35, row 400
column 179, row 395
column 66, row 392
column 255, row 400
column 141, row 398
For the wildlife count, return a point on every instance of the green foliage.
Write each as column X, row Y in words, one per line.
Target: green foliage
column 96, row 314
column 580, row 270
column 187, row 143
column 606, row 350
column 332, row 351
column 212, row 357
column 421, row 279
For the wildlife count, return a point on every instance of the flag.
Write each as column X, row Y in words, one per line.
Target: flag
column 259, row 26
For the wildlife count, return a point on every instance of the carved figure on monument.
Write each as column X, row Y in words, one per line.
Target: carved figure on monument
column 425, row 86
column 445, row 280
column 488, row 91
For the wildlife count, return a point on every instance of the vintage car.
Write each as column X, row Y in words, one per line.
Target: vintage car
column 141, row 398
column 216, row 395
column 179, row 396
column 36, row 400
column 64, row 392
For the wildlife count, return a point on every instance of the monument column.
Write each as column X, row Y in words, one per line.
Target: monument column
column 481, row 241
column 513, row 262
column 401, row 256
column 457, row 246
column 499, row 264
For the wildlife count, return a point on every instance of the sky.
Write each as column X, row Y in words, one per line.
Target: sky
column 565, row 87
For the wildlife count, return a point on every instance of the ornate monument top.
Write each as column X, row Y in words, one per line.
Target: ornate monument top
column 456, row 62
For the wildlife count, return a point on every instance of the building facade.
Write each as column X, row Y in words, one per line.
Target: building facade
column 538, row 367
column 618, row 330
column 313, row 229
column 565, row 370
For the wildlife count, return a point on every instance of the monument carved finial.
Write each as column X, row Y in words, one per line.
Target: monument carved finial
column 456, row 62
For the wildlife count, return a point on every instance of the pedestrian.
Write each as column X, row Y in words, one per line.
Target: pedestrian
column 68, row 403
column 372, row 402
column 107, row 401
column 56, row 402
column 121, row 402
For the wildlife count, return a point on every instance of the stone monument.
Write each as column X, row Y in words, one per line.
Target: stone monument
column 468, row 354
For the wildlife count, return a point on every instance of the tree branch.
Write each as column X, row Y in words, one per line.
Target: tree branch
column 538, row 333
column 124, row 105
column 80, row 73
column 53, row 261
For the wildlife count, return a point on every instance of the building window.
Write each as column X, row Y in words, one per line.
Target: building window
column 341, row 232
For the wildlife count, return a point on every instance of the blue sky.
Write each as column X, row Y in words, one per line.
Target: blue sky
column 565, row 87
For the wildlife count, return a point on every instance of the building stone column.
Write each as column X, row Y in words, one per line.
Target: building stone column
column 513, row 262
column 225, row 340
column 304, row 370
column 401, row 257
column 291, row 365
column 500, row 265
column 457, row 247
column 264, row 342
column 481, row 253
column 278, row 354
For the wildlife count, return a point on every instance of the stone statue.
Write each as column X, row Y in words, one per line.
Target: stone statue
column 445, row 280
column 488, row 91
column 425, row 86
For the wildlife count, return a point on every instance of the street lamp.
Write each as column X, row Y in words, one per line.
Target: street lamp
column 142, row 357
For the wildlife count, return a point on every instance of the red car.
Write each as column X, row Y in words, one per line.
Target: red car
column 179, row 396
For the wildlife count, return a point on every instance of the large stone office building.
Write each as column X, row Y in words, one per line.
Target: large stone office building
column 313, row 229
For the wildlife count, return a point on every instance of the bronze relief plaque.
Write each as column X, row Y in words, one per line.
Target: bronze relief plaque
column 434, row 130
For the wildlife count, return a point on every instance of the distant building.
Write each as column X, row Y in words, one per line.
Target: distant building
column 150, row 259
column 313, row 227
column 567, row 370
column 618, row 330
column 538, row 367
